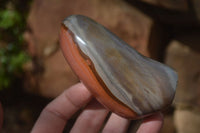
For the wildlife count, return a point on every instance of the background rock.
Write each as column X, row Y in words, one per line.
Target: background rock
column 185, row 61
column 183, row 55
column 52, row 73
column 187, row 121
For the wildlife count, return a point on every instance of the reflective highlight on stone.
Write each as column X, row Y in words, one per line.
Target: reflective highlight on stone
column 125, row 77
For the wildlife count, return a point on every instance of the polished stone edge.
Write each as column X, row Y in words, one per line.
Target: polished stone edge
column 136, row 51
column 82, row 70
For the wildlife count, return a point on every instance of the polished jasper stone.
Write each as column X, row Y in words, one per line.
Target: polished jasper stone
column 135, row 82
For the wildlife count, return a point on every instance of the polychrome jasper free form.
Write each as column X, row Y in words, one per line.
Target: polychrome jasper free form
column 123, row 80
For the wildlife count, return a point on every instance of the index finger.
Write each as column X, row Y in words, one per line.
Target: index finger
column 55, row 115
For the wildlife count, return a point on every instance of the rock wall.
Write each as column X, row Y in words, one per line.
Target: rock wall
column 51, row 74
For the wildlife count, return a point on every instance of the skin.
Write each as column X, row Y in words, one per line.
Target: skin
column 56, row 114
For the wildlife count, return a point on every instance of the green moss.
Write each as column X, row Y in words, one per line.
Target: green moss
column 12, row 53
column 8, row 18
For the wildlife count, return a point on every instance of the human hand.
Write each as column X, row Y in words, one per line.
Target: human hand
column 56, row 114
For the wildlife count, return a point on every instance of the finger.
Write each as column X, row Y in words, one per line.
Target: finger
column 91, row 119
column 1, row 116
column 152, row 124
column 116, row 124
column 55, row 115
